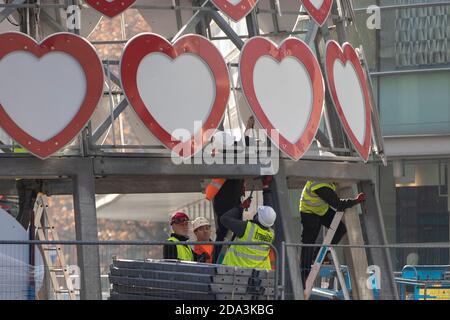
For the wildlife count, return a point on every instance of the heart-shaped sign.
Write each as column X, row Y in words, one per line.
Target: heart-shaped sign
column 285, row 89
column 176, row 88
column 48, row 91
column 110, row 8
column 319, row 10
column 350, row 94
column 235, row 9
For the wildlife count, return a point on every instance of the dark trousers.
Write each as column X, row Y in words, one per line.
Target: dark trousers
column 311, row 227
column 27, row 191
column 221, row 232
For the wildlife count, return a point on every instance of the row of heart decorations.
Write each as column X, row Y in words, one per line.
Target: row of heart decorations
column 49, row 90
column 319, row 10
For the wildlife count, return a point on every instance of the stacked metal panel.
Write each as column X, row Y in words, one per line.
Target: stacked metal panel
column 175, row 280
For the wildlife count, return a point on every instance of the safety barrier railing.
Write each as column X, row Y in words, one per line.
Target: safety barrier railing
column 430, row 281
column 126, row 270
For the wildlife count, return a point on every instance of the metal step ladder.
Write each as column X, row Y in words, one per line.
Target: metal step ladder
column 315, row 268
column 58, row 270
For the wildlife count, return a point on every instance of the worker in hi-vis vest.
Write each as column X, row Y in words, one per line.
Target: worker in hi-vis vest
column 259, row 229
column 179, row 223
column 226, row 194
column 318, row 206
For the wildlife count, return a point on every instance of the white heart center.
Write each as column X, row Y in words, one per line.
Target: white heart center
column 317, row 3
column 41, row 95
column 177, row 92
column 351, row 98
column 234, row 2
column 285, row 93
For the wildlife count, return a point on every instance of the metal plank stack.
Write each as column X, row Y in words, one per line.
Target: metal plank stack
column 175, row 280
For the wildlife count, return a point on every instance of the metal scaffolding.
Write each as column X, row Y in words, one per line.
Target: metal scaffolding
column 88, row 167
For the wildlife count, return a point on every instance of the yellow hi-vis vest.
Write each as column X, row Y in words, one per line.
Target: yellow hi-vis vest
column 248, row 256
column 310, row 202
column 184, row 251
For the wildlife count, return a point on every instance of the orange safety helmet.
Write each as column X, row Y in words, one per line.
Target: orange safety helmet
column 213, row 188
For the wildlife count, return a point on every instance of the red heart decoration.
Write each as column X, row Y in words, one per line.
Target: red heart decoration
column 350, row 94
column 160, row 108
column 275, row 81
column 320, row 15
column 110, row 9
column 235, row 11
column 81, row 54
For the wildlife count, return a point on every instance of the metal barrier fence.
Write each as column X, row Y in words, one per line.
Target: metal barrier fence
column 125, row 270
column 421, row 271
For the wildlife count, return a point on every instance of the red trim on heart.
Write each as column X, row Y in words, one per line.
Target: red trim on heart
column 86, row 56
column 110, row 9
column 318, row 15
column 348, row 54
column 144, row 44
column 257, row 47
column 235, row 12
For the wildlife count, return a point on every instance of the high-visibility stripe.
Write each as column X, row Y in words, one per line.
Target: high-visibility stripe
column 246, row 256
column 216, row 184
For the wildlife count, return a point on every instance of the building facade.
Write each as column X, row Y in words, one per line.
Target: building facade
column 407, row 43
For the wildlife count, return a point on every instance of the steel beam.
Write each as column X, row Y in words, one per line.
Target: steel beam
column 30, row 167
column 88, row 257
column 356, row 258
column 108, row 121
column 376, row 235
column 284, row 232
column 225, row 27
column 193, row 21
column 8, row 10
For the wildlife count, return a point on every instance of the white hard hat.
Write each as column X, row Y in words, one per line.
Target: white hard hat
column 222, row 140
column 200, row 222
column 266, row 216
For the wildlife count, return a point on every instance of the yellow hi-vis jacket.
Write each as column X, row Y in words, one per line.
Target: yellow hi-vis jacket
column 310, row 202
column 184, row 251
column 248, row 256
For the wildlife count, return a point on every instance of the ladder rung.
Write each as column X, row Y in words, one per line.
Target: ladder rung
column 45, row 228
column 57, row 269
column 52, row 249
column 64, row 291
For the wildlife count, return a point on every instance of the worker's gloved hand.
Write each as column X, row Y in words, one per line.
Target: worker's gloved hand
column 266, row 181
column 246, row 203
column 361, row 197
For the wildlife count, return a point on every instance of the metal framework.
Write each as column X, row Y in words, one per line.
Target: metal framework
column 88, row 167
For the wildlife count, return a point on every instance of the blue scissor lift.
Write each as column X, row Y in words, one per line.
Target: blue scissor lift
column 431, row 282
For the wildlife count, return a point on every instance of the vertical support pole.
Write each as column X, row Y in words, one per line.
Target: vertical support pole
column 376, row 234
column 355, row 257
column 283, row 231
column 86, row 230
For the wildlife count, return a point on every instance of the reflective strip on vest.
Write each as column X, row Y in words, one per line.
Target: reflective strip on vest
column 216, row 184
column 246, row 256
column 184, row 252
column 251, row 256
column 310, row 202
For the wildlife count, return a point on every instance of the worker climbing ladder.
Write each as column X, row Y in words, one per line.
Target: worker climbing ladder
column 321, row 256
column 58, row 270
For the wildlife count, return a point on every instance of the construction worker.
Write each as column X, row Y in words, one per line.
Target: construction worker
column 202, row 230
column 179, row 223
column 228, row 197
column 318, row 205
column 257, row 230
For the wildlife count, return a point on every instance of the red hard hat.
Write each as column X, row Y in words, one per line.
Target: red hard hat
column 178, row 217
